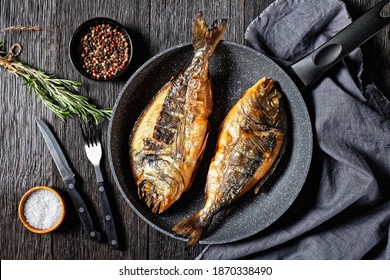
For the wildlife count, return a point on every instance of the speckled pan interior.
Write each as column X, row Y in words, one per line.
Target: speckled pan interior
column 233, row 69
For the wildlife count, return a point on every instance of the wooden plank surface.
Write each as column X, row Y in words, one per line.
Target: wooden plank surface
column 25, row 159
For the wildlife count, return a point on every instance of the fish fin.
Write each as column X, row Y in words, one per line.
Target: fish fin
column 193, row 227
column 200, row 156
column 271, row 171
column 180, row 73
column 256, row 191
column 204, row 37
column 230, row 209
column 203, row 148
column 265, row 178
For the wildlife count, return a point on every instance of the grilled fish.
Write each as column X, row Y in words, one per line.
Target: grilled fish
column 170, row 136
column 251, row 142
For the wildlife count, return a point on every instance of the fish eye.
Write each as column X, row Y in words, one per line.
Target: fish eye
column 274, row 102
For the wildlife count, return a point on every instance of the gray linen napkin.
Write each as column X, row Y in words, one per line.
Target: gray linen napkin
column 343, row 210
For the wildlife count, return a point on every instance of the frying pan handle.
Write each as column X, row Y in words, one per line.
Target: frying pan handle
column 315, row 64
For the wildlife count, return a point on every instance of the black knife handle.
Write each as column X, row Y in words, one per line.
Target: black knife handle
column 82, row 210
column 108, row 219
column 314, row 65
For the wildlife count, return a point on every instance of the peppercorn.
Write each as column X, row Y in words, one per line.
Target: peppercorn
column 104, row 51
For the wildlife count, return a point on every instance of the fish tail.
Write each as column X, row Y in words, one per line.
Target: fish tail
column 193, row 227
column 207, row 38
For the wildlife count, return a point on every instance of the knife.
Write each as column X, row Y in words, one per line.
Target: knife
column 69, row 179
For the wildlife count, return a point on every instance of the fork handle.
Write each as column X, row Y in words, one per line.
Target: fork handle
column 108, row 219
column 82, row 210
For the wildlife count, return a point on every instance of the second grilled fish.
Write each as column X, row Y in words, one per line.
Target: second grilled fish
column 169, row 137
column 251, row 142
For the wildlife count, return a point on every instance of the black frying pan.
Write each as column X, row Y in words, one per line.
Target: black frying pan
column 233, row 69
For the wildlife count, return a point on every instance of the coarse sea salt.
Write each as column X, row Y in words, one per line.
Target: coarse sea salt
column 42, row 209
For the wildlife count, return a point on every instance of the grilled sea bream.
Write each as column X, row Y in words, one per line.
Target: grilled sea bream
column 170, row 136
column 250, row 144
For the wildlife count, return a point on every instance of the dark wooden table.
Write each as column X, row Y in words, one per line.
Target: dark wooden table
column 24, row 158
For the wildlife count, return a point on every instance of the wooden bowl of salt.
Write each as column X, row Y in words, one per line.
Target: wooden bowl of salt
column 42, row 209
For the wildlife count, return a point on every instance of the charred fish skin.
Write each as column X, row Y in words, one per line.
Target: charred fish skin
column 250, row 144
column 169, row 137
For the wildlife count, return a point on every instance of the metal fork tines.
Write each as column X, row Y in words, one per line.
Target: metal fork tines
column 93, row 148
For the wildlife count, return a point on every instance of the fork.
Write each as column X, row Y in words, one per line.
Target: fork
column 93, row 149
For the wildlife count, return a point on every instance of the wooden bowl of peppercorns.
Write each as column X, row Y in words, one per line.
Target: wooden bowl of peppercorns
column 101, row 49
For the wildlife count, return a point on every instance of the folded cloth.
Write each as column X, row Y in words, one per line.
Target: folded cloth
column 343, row 210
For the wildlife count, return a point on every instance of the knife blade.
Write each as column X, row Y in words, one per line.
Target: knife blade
column 69, row 179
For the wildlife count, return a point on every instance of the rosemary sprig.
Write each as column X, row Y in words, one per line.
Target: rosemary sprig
column 57, row 94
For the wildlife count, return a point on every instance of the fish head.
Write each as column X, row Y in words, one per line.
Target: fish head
column 268, row 97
